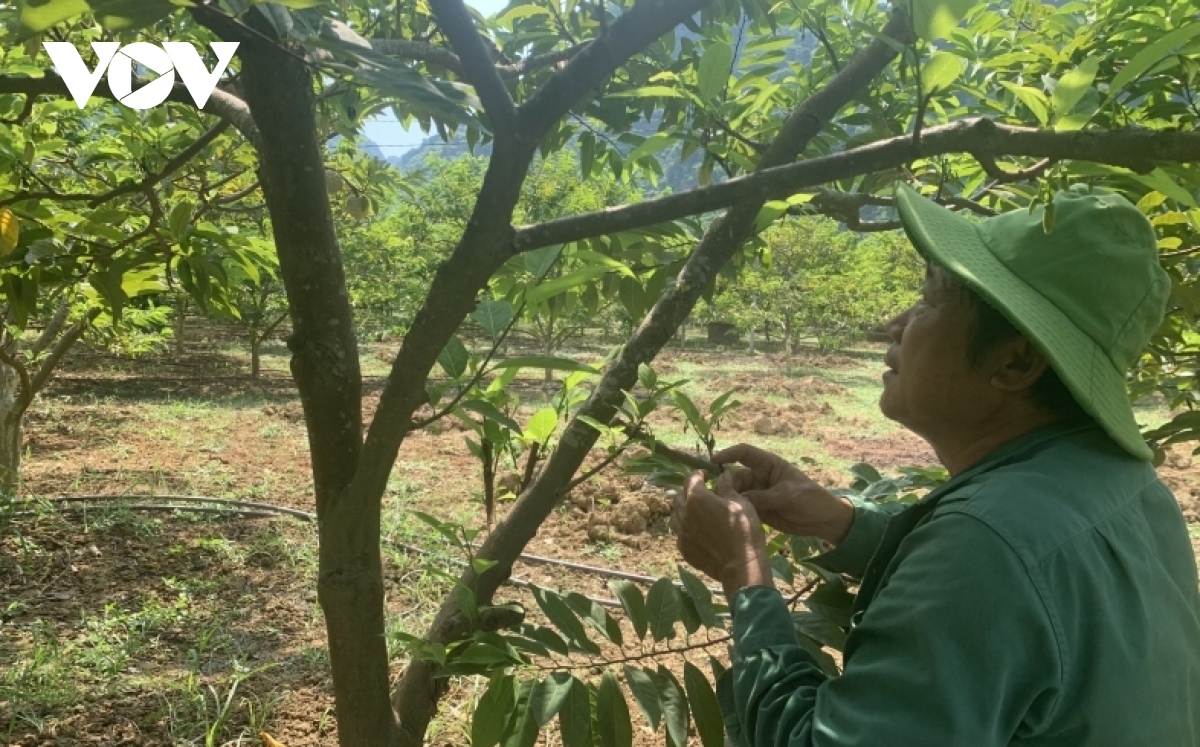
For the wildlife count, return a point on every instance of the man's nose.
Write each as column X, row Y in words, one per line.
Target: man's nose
column 895, row 328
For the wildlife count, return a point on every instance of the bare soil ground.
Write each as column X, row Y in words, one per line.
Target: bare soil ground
column 134, row 628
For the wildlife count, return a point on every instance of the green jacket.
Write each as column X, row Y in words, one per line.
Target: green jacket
column 1047, row 596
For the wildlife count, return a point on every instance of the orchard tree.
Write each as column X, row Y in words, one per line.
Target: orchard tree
column 1013, row 99
column 812, row 276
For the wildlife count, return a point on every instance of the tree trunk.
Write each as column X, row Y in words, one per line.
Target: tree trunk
column 787, row 340
column 255, row 353
column 325, row 365
column 11, row 431
column 180, row 325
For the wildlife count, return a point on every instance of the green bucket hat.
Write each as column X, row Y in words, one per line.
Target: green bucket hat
column 1088, row 294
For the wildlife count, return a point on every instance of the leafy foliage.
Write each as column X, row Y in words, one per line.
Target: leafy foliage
column 813, row 278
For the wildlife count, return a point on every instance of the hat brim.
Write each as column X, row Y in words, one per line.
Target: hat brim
column 956, row 244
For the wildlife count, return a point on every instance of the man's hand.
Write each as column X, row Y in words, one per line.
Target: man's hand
column 720, row 535
column 785, row 497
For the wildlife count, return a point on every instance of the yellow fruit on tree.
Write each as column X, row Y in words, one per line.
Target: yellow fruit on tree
column 9, row 232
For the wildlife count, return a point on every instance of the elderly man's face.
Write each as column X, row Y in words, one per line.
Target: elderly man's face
column 930, row 386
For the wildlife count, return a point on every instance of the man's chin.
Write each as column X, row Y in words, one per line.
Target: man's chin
column 886, row 407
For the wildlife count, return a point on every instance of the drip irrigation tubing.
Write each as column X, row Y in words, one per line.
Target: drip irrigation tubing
column 253, row 509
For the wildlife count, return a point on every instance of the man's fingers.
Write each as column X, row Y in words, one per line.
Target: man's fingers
column 766, row 500
column 727, row 484
column 693, row 483
column 751, row 456
column 741, row 479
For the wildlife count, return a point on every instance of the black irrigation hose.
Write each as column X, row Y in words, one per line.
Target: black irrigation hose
column 266, row 510
column 262, row 507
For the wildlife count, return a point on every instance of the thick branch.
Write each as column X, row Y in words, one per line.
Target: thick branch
column 477, row 65
column 51, row 329
column 220, row 103
column 47, row 365
column 24, row 397
column 1134, row 149
column 846, row 206
column 628, row 35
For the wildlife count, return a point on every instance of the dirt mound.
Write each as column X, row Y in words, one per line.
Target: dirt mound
column 292, row 412
column 620, row 509
column 795, row 418
column 799, row 389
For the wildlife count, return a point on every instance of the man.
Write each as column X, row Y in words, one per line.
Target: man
column 1047, row 593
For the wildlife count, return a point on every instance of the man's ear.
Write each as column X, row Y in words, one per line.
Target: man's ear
column 1018, row 365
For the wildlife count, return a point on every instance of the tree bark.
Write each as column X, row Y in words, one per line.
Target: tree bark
column 255, row 353
column 325, row 366
column 12, row 421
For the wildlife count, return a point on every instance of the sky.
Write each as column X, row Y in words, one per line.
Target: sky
column 387, row 133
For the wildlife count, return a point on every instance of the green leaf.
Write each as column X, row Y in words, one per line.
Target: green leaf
column 648, row 92
column 548, row 697
column 633, row 604
column 554, row 364
column 454, row 358
column 701, row 597
column 108, row 284
column 596, row 616
column 485, row 654
column 633, row 297
column 181, row 216
column 612, row 714
column 541, row 425
column 117, row 15
column 494, row 316
column 674, row 706
column 521, row 730
column 596, row 258
column 540, row 261
column 1151, row 55
column 940, row 71
column 1032, row 98
column 491, row 412
column 575, row 716
column 645, row 694
column 1071, row 87
column 466, row 602
column 705, row 709
column 561, row 616
column 550, row 288
column 492, row 711
column 662, row 609
column 547, row 638
column 1161, row 181
column 651, row 145
column 647, row 377
column 714, row 70
column 451, row 101
column 684, row 403
column 934, row 19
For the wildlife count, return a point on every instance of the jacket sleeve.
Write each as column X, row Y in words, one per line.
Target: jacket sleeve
column 956, row 649
column 854, row 553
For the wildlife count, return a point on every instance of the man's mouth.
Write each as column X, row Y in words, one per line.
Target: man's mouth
column 888, row 361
